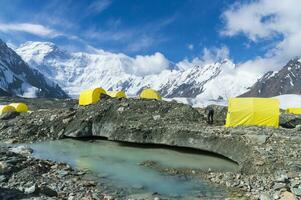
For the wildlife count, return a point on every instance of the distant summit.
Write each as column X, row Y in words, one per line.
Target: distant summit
column 274, row 83
column 18, row 79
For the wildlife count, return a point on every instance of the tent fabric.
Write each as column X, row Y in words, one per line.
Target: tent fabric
column 91, row 96
column 150, row 94
column 296, row 111
column 6, row 108
column 253, row 112
column 20, row 107
column 116, row 94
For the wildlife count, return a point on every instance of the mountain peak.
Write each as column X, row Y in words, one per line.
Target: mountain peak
column 2, row 44
column 41, row 51
column 42, row 47
column 18, row 79
column 285, row 81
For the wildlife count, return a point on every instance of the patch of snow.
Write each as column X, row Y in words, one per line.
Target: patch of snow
column 289, row 101
column 29, row 91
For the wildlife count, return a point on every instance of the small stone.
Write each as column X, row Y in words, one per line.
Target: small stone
column 282, row 178
column 71, row 197
column 288, row 196
column 296, row 191
column 11, row 141
column 89, row 183
column 276, row 195
column 120, row 109
column 108, row 197
column 62, row 173
column 30, row 190
column 260, row 139
column 156, row 117
column 52, row 117
column 279, row 186
column 264, row 196
column 48, row 191
column 3, row 167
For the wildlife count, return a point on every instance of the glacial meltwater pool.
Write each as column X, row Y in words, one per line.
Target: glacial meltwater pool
column 118, row 163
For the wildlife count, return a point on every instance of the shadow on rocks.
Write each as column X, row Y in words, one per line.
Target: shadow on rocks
column 12, row 194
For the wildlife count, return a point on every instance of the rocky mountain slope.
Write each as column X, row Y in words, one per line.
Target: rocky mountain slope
column 77, row 71
column 274, row 83
column 18, row 79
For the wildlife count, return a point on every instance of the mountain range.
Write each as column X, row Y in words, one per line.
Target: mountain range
column 18, row 79
column 48, row 70
column 285, row 81
column 78, row 71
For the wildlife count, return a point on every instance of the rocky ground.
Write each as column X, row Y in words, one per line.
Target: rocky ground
column 269, row 159
column 24, row 177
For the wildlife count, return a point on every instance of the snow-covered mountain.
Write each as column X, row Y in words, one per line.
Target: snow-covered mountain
column 274, row 83
column 18, row 79
column 77, row 71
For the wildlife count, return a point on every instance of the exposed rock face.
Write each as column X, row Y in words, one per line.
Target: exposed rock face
column 285, row 81
column 18, row 79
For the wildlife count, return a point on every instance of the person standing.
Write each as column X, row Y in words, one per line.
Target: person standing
column 210, row 113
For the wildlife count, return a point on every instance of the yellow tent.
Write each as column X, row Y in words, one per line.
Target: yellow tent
column 6, row 108
column 116, row 94
column 296, row 111
column 20, row 107
column 253, row 111
column 150, row 94
column 91, row 96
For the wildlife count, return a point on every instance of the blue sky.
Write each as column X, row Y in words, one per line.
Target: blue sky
column 177, row 28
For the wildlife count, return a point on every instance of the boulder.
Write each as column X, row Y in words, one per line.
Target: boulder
column 288, row 196
column 289, row 120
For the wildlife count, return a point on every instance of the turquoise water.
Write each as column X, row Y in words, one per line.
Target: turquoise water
column 119, row 164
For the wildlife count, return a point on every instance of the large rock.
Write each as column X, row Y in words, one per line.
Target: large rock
column 289, row 120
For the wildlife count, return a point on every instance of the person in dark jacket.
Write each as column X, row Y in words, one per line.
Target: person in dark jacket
column 210, row 114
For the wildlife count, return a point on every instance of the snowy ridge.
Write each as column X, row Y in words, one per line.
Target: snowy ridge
column 18, row 79
column 285, row 81
column 78, row 71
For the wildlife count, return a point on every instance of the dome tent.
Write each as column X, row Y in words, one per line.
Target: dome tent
column 150, row 94
column 90, row 96
column 6, row 108
column 20, row 107
column 296, row 111
column 116, row 94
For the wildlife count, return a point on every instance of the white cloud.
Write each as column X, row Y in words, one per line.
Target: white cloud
column 150, row 64
column 35, row 29
column 274, row 20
